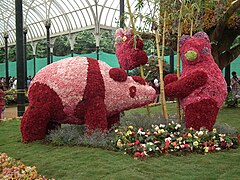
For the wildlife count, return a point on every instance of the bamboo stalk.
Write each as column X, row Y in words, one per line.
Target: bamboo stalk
column 191, row 29
column 178, row 60
column 135, row 32
column 160, row 66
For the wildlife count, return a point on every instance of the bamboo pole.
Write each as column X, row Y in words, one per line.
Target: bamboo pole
column 191, row 29
column 135, row 32
column 160, row 66
column 178, row 60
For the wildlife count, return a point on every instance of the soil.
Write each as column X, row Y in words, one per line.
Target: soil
column 10, row 112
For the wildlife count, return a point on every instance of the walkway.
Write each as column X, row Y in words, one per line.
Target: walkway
column 10, row 112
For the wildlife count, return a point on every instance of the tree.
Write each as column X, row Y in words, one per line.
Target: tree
column 61, row 46
column 218, row 18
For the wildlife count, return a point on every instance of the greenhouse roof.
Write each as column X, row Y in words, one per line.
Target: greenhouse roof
column 66, row 16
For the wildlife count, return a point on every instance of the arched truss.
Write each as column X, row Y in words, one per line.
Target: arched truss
column 67, row 17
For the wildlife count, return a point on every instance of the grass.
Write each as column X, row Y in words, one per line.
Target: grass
column 70, row 163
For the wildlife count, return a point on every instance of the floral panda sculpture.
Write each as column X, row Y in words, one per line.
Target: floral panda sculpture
column 129, row 49
column 80, row 90
column 201, row 87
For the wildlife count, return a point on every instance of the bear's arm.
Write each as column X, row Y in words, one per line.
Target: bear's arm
column 185, row 86
column 169, row 78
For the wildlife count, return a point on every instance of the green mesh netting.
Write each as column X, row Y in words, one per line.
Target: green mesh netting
column 110, row 59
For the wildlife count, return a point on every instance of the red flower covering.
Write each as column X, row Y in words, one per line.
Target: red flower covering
column 139, row 79
column 201, row 86
column 79, row 90
column 118, row 74
column 170, row 78
column 186, row 85
column 36, row 120
column 129, row 50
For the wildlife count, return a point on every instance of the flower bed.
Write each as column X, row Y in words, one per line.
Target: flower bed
column 161, row 139
column 13, row 169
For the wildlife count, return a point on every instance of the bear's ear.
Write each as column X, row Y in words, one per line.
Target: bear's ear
column 119, row 32
column 183, row 39
column 202, row 34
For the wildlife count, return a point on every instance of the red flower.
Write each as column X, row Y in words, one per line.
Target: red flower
column 137, row 142
column 166, row 144
column 137, row 154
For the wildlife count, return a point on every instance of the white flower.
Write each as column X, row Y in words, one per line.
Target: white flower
column 150, row 149
column 218, row 148
column 171, row 135
column 168, row 139
column 162, row 125
column 177, row 126
column 150, row 143
column 157, row 128
column 200, row 133
column 222, row 139
column 182, row 146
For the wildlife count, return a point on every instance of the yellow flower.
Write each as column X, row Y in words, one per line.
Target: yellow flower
column 130, row 127
column 189, row 135
column 124, row 38
column 214, row 130
column 129, row 132
column 205, row 149
column 119, row 143
column 195, row 143
column 161, row 131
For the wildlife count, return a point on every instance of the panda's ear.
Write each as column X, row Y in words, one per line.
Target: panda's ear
column 202, row 34
column 183, row 39
column 118, row 74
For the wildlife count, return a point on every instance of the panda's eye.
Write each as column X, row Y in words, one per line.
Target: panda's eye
column 205, row 51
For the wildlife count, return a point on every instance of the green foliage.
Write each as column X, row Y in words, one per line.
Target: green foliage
column 85, row 42
column 61, row 46
column 2, row 55
column 41, row 50
column 107, row 42
column 74, row 135
column 232, row 101
column 11, row 97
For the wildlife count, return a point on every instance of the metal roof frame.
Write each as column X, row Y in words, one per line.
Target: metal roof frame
column 66, row 16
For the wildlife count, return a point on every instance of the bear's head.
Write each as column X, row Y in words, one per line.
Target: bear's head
column 129, row 49
column 195, row 49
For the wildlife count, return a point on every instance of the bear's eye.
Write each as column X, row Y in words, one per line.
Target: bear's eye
column 205, row 51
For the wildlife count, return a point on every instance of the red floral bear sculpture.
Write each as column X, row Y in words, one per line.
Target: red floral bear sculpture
column 201, row 87
column 80, row 90
column 129, row 49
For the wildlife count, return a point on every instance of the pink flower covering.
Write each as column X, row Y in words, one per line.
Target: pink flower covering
column 201, row 87
column 80, row 91
column 129, row 49
column 117, row 95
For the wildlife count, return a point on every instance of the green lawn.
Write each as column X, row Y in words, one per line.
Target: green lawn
column 73, row 163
